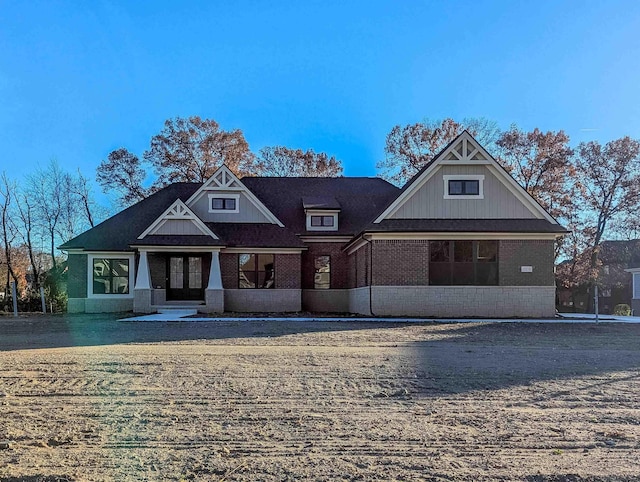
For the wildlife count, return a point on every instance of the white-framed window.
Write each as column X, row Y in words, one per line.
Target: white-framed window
column 322, row 221
column 463, row 186
column 224, row 203
column 110, row 275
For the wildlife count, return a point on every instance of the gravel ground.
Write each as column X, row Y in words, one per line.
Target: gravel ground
column 89, row 398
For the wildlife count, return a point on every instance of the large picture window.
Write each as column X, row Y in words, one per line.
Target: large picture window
column 110, row 276
column 322, row 276
column 463, row 263
column 256, row 271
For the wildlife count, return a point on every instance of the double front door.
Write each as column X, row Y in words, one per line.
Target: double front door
column 184, row 278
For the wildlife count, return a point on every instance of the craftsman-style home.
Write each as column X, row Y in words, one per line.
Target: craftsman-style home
column 462, row 238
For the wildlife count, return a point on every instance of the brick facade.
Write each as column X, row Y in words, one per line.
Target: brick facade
column 77, row 279
column 400, row 263
column 539, row 254
column 288, row 274
column 339, row 264
column 229, row 270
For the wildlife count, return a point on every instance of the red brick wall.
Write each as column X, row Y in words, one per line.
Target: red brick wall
column 287, row 271
column 229, row 270
column 513, row 254
column 339, row 264
column 400, row 263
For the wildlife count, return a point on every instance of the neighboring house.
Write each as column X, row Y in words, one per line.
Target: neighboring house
column 461, row 238
column 618, row 259
column 635, row 286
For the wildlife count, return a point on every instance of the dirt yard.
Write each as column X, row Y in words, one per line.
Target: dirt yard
column 89, row 398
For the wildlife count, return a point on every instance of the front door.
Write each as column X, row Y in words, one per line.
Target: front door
column 185, row 278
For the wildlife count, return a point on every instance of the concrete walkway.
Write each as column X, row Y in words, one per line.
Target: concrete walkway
column 562, row 318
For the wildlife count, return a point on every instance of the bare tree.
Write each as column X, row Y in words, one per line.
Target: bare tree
column 191, row 149
column 541, row 163
column 123, row 173
column 9, row 231
column 28, row 234
column 285, row 162
column 611, row 178
column 47, row 190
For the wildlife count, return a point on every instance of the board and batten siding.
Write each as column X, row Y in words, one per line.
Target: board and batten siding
column 178, row 227
column 248, row 212
column 428, row 202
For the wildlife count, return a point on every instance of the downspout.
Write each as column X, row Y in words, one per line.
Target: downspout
column 370, row 275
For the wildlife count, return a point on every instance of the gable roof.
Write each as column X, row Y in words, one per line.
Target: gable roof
column 122, row 229
column 178, row 211
column 225, row 180
column 464, row 150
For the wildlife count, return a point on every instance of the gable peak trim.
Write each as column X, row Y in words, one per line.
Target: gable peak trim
column 177, row 211
column 463, row 150
column 225, row 180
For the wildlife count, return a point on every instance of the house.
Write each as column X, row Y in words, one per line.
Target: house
column 461, row 238
column 635, row 286
column 618, row 260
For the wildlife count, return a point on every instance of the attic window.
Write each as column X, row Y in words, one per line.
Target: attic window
column 327, row 221
column 224, row 203
column 322, row 220
column 464, row 186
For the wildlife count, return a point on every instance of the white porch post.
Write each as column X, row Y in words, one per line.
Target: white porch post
column 143, row 277
column 215, row 277
column 142, row 289
column 214, row 294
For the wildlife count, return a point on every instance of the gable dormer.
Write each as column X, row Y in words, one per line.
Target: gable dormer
column 224, row 199
column 464, row 182
column 322, row 213
column 178, row 220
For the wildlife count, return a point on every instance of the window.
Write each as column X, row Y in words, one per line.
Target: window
column 464, row 186
column 110, row 276
column 322, row 277
column 224, row 203
column 322, row 221
column 463, row 263
column 256, row 271
column 461, row 188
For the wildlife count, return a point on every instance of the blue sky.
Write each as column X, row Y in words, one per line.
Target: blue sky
column 79, row 79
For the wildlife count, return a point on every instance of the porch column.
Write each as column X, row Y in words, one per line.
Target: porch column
column 214, row 294
column 215, row 277
column 143, row 277
column 142, row 289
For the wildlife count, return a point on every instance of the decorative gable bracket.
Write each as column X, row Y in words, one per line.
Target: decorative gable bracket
column 178, row 211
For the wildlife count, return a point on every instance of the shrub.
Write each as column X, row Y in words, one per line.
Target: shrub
column 622, row 310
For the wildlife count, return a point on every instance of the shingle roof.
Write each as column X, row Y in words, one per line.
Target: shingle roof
column 119, row 231
column 320, row 202
column 361, row 199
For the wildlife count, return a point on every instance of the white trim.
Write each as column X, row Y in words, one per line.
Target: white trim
column 177, row 249
column 225, row 180
column 448, row 236
column 224, row 196
column 466, row 138
column 249, row 250
column 325, row 239
column 459, row 235
column 463, row 177
column 177, row 211
column 322, row 213
column 126, row 255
